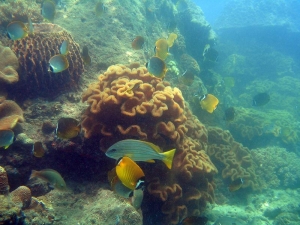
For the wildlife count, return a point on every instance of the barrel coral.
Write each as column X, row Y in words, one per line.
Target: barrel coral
column 130, row 103
column 34, row 53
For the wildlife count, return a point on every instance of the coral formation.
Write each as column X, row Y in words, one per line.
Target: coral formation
column 4, row 186
column 8, row 66
column 230, row 157
column 34, row 52
column 19, row 11
column 127, row 103
column 187, row 62
column 10, row 114
column 21, row 196
column 278, row 167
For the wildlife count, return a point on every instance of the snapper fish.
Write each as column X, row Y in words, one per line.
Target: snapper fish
column 140, row 151
column 130, row 174
column 209, row 102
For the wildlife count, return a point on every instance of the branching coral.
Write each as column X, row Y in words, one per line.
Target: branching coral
column 130, row 103
column 232, row 158
column 10, row 114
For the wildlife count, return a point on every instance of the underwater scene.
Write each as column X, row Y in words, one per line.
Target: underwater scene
column 149, row 112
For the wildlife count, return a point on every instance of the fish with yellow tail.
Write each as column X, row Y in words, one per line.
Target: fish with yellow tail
column 209, row 102
column 161, row 48
column 59, row 63
column 50, row 176
column 157, row 67
column 140, row 151
column 130, row 174
column 17, row 30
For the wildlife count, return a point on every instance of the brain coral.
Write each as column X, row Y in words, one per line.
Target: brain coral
column 10, row 114
column 22, row 196
column 234, row 160
column 127, row 103
column 34, row 52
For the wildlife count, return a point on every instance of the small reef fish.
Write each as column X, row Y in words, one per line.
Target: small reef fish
column 6, row 138
column 67, row 128
column 138, row 42
column 85, row 56
column 261, row 99
column 210, row 54
column 229, row 114
column 209, row 102
column 38, row 149
column 48, row 10
column 194, row 220
column 64, row 48
column 50, row 176
column 236, row 184
column 16, row 30
column 134, row 87
column 140, row 151
column 157, row 67
column 187, row 78
column 172, row 37
column 58, row 63
column 117, row 186
column 161, row 48
column 100, row 9
column 130, row 174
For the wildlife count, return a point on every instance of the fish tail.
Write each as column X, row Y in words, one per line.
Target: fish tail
column 33, row 174
column 168, row 157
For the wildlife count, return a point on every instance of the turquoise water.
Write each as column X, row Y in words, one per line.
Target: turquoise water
column 224, row 93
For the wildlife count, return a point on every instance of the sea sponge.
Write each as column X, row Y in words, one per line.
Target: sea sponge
column 10, row 114
column 234, row 160
column 21, row 196
column 4, row 186
column 130, row 103
column 8, row 66
column 34, row 52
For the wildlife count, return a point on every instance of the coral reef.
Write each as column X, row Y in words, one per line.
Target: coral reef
column 4, row 186
column 10, row 114
column 19, row 11
column 230, row 157
column 127, row 103
column 278, row 168
column 34, row 52
column 187, row 62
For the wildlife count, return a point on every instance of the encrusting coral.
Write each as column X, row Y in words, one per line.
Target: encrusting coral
column 34, row 53
column 10, row 114
column 234, row 160
column 8, row 66
column 130, row 103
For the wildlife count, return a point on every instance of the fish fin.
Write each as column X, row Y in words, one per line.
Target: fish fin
column 33, row 174
column 150, row 161
column 168, row 157
column 153, row 146
column 6, row 147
